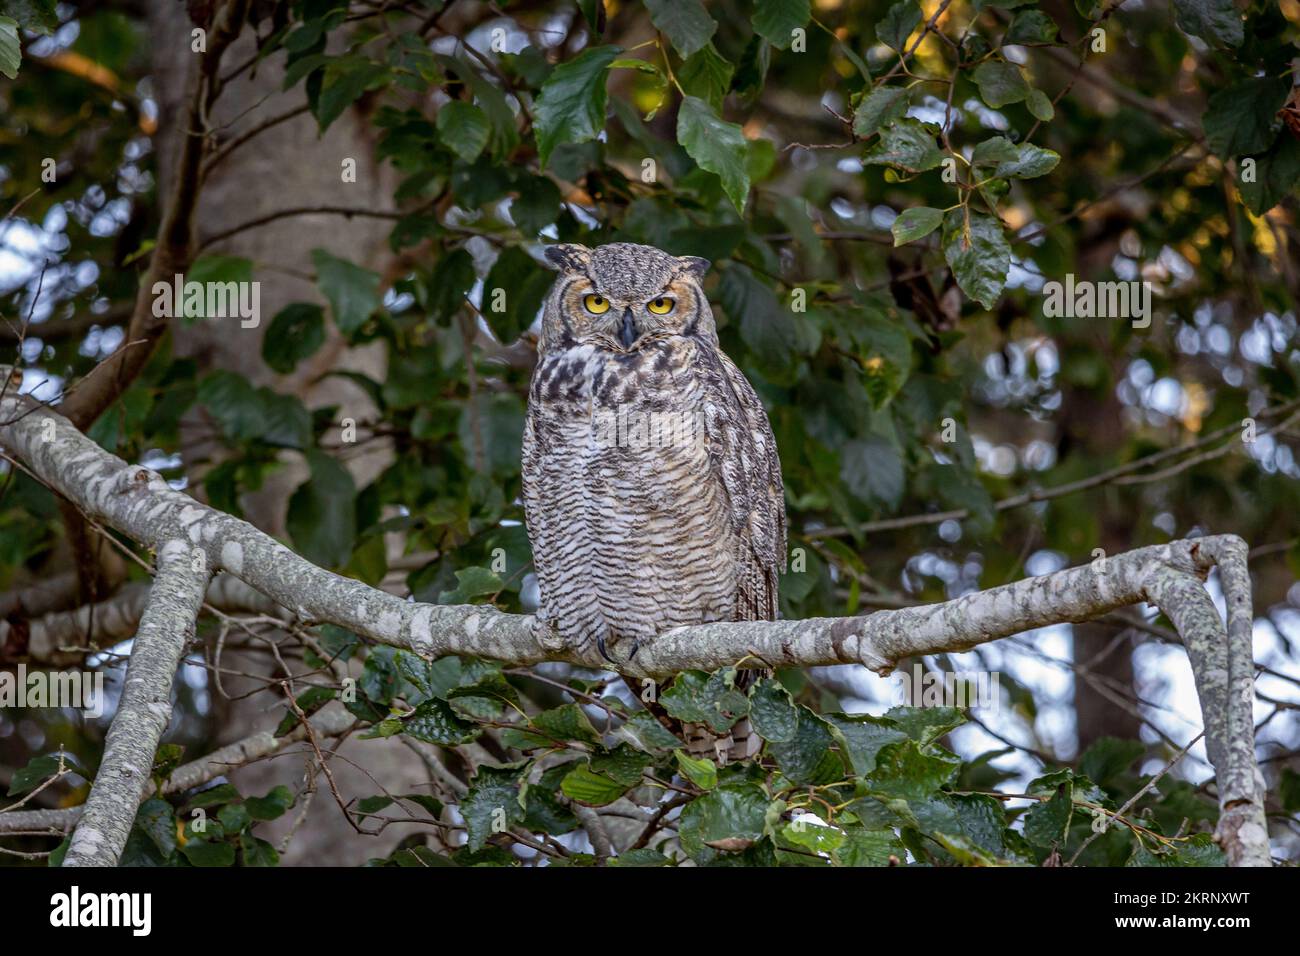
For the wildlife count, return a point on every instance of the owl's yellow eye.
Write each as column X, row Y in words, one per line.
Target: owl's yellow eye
column 662, row 305
column 595, row 304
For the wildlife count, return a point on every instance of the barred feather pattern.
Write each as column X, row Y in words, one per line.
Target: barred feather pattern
column 651, row 482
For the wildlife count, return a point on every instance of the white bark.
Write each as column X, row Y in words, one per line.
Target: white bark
column 140, row 504
column 145, row 708
column 63, row 638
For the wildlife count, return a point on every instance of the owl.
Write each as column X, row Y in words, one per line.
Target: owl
column 651, row 483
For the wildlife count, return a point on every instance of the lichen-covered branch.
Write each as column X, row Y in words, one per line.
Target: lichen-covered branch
column 144, row 710
column 61, row 638
column 140, row 504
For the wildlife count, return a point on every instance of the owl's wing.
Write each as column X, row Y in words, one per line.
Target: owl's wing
column 743, row 458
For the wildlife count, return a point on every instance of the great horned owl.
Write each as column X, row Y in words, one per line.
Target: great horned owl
column 651, row 483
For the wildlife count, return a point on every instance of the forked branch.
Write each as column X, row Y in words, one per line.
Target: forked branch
column 140, row 504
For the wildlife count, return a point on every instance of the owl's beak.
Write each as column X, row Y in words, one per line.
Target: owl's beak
column 627, row 331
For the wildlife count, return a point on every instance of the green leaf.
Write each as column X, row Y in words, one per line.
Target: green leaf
column 203, row 853
column 156, row 820
column 256, row 852
column 1214, row 21
column 881, row 107
column 11, row 47
column 514, row 291
column 623, row 764
column 295, row 333
column 234, row 817
column 771, row 711
column 647, row 734
column 1046, row 822
column 699, row 770
column 535, row 208
column 814, row 837
column 706, row 75
column 863, row 737
column 978, row 254
column 435, row 722
column 914, row 223
column 908, row 145
column 42, row 768
column 352, row 292
column 926, row 724
column 590, row 788
column 1239, row 119
column 1109, row 757
column 1031, row 26
column 808, row 758
column 571, row 104
column 715, row 145
column 904, row 770
column 730, row 818
column 346, row 78
column 272, row 806
column 472, row 583
column 214, row 796
column 1031, row 161
column 492, row 804
column 1039, row 105
column 994, row 150
column 566, row 723
column 1197, row 850
column 898, row 23
column 685, row 22
column 1000, row 83
column 1275, row 174
column 776, row 20
column 868, row 848
column 872, row 469
column 711, row 699
column 642, row 857
column 322, row 512
column 464, row 128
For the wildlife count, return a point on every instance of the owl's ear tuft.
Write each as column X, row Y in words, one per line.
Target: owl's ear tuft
column 693, row 266
column 568, row 256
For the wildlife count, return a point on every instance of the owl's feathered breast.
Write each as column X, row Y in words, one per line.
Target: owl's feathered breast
column 652, row 491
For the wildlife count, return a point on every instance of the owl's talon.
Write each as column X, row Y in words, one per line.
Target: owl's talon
column 600, row 646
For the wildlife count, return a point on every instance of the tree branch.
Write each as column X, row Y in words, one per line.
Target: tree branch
column 140, row 504
column 145, row 708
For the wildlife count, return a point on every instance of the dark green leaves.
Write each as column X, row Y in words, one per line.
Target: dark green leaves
column 1214, row 21
column 879, row 108
column 346, row 78
column 776, row 20
column 322, row 512
column 353, row 292
column 435, row 722
column 771, row 712
column 253, row 414
column 710, row 699
column 295, row 333
column 908, row 145
column 1269, row 177
column 728, row 819
column 1240, row 119
column 898, row 23
column 914, row 223
column 715, row 145
column 978, row 254
column 706, row 75
column 590, row 788
column 1030, row 161
column 685, row 22
column 571, row 105
column 492, row 804
column 1031, row 26
column 464, row 128
column 1000, row 83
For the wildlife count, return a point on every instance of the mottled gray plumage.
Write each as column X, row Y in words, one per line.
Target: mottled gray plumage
column 651, row 482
